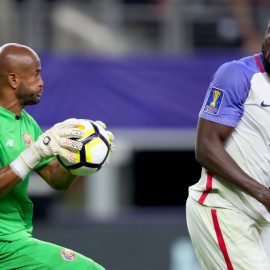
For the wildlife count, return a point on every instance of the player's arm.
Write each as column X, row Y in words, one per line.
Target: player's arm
column 54, row 141
column 8, row 179
column 56, row 176
column 211, row 154
column 52, row 173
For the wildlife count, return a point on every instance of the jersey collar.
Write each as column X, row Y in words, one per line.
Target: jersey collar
column 7, row 113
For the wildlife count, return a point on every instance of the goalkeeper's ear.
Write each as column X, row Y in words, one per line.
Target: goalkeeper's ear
column 13, row 80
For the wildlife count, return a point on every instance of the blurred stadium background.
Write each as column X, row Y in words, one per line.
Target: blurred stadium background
column 142, row 67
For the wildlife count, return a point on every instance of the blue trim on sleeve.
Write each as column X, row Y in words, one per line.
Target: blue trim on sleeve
column 219, row 120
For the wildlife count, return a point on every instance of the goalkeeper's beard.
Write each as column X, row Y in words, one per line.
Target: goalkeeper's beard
column 30, row 100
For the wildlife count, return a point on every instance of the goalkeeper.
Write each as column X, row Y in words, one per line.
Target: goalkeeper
column 24, row 148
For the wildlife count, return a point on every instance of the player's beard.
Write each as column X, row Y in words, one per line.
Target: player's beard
column 31, row 101
column 26, row 98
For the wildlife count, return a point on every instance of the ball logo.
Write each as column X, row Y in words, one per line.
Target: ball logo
column 27, row 138
column 68, row 254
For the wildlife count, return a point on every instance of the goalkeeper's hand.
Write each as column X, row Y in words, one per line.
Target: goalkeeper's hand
column 54, row 141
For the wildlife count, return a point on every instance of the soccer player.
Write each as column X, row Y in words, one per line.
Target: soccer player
column 24, row 148
column 229, row 206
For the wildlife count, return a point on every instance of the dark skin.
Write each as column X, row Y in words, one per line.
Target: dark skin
column 266, row 50
column 211, row 154
column 21, row 84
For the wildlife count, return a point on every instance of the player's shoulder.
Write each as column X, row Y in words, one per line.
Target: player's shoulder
column 25, row 114
column 240, row 71
column 31, row 123
column 246, row 65
column 29, row 118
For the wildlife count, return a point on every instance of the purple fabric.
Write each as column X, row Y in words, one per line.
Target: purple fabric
column 128, row 92
column 232, row 82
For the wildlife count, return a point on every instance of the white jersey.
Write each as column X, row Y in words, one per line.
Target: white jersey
column 239, row 96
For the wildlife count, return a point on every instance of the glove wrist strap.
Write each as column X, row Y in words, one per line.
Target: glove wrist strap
column 25, row 162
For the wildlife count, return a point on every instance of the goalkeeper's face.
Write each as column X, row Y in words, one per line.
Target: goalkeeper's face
column 30, row 87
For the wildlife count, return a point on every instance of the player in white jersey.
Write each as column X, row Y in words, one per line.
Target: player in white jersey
column 229, row 206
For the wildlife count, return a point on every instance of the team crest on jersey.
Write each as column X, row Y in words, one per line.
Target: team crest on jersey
column 214, row 101
column 27, row 138
column 68, row 254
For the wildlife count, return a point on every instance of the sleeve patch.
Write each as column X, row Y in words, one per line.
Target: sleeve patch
column 214, row 101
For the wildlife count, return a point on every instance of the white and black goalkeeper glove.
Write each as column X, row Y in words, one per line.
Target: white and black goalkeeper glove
column 54, row 141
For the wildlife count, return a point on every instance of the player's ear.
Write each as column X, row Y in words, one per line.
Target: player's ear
column 13, row 80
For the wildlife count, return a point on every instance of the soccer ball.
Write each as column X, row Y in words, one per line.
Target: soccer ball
column 97, row 147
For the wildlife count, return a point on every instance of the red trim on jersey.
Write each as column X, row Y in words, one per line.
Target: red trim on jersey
column 220, row 239
column 208, row 188
column 259, row 63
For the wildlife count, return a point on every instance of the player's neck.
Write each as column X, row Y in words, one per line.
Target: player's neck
column 12, row 106
column 9, row 101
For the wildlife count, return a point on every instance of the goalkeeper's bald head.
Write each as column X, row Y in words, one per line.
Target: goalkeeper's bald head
column 20, row 80
column 14, row 57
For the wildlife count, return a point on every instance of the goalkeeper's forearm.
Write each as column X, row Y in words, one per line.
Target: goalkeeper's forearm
column 54, row 141
column 8, row 179
column 18, row 169
column 26, row 162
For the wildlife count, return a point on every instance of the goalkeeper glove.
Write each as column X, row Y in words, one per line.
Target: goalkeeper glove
column 54, row 141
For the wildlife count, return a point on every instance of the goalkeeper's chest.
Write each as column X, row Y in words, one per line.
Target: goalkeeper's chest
column 12, row 142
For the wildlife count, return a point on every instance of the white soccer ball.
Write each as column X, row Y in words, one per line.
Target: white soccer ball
column 97, row 147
